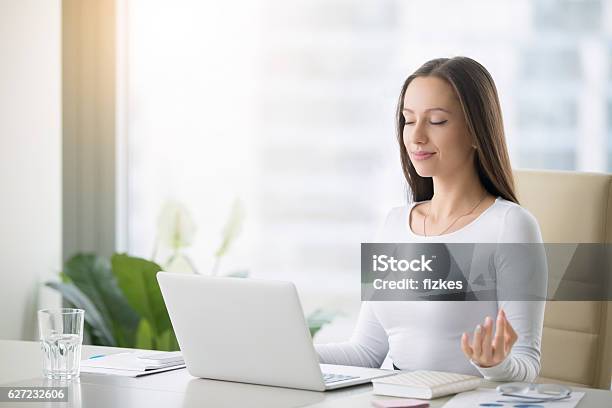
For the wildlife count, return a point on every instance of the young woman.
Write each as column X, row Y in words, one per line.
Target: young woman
column 454, row 157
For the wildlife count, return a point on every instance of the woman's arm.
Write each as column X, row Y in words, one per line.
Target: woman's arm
column 521, row 272
column 367, row 347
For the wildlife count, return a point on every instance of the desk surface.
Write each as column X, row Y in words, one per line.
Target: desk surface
column 20, row 364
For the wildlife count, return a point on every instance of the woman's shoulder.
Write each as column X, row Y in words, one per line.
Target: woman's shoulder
column 511, row 211
column 517, row 224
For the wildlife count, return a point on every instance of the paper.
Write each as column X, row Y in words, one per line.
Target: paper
column 127, row 373
column 487, row 397
column 127, row 365
column 399, row 403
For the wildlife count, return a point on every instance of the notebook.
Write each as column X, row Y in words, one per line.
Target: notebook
column 424, row 384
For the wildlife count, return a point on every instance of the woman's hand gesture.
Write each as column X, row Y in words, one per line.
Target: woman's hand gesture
column 487, row 350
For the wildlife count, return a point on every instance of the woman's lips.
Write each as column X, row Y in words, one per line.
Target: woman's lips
column 422, row 155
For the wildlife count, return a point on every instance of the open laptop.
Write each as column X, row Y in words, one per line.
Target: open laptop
column 249, row 330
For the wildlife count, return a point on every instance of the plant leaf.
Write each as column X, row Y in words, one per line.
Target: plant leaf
column 167, row 341
column 174, row 346
column 93, row 276
column 319, row 318
column 137, row 279
column 163, row 341
column 232, row 227
column 92, row 317
column 144, row 336
column 243, row 273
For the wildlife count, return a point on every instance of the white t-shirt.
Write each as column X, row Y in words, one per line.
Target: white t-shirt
column 427, row 335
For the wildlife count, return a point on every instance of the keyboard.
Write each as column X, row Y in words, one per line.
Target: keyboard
column 329, row 378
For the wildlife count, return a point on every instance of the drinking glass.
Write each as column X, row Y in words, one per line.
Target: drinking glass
column 61, row 336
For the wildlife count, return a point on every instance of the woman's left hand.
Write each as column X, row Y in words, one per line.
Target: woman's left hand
column 485, row 349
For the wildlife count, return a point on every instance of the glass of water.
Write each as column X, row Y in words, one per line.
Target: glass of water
column 61, row 336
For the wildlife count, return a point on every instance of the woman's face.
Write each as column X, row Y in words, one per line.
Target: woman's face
column 436, row 128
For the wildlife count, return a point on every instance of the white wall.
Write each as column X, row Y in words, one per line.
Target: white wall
column 30, row 158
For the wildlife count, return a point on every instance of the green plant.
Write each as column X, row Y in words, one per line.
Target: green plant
column 319, row 318
column 137, row 280
column 121, row 298
column 123, row 303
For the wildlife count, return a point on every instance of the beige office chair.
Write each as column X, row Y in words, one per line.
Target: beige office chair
column 573, row 207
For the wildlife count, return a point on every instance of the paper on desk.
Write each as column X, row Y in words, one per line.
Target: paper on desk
column 127, row 373
column 126, row 364
column 488, row 395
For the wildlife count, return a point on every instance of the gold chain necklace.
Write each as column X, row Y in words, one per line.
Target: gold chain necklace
column 452, row 223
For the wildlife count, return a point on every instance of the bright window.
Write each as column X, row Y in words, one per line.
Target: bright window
column 290, row 106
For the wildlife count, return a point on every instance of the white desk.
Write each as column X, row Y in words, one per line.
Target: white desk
column 20, row 364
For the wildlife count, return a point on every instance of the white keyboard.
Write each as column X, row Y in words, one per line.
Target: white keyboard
column 329, row 378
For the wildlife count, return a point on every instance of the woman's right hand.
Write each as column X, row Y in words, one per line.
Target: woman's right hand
column 486, row 349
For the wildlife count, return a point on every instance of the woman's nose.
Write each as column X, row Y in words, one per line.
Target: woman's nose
column 417, row 134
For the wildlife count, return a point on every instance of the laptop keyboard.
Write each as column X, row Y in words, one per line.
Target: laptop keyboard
column 329, row 378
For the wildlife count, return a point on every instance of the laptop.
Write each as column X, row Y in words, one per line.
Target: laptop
column 250, row 331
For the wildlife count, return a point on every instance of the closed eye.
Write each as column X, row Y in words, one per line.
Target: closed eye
column 432, row 123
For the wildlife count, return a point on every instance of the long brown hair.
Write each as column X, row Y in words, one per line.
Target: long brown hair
column 477, row 95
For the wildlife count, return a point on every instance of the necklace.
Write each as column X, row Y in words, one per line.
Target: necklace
column 452, row 223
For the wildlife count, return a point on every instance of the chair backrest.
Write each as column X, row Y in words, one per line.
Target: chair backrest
column 573, row 207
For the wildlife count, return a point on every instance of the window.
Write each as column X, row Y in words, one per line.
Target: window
column 290, row 106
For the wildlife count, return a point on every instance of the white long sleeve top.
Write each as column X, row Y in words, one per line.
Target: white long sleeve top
column 427, row 334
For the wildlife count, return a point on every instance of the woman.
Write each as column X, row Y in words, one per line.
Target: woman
column 455, row 160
